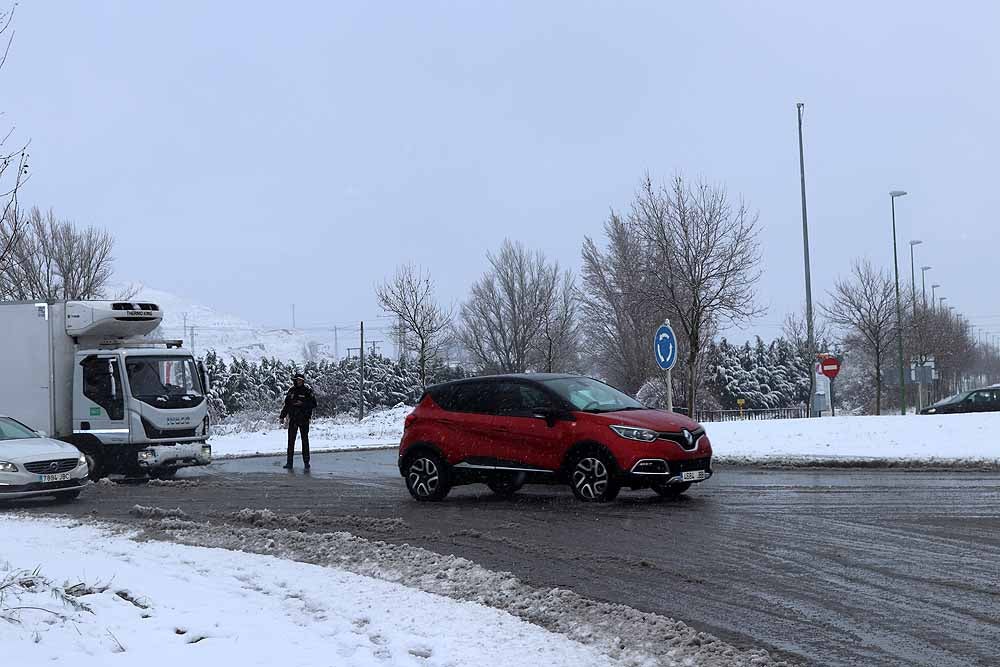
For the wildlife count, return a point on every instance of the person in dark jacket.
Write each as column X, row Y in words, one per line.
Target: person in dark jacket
column 299, row 405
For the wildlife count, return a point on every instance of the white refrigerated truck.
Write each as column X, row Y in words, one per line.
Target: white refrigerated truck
column 86, row 372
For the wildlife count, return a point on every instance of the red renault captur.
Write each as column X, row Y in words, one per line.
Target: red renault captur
column 509, row 430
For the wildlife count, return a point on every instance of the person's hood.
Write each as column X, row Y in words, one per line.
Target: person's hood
column 655, row 420
column 35, row 449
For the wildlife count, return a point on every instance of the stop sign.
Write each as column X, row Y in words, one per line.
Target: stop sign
column 830, row 367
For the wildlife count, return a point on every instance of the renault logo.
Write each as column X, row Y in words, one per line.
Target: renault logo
column 688, row 438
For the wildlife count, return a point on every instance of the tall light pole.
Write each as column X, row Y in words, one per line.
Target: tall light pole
column 941, row 300
column 810, row 340
column 913, row 291
column 899, row 306
column 923, row 282
column 934, row 295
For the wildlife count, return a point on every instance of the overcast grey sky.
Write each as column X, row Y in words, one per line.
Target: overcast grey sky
column 248, row 155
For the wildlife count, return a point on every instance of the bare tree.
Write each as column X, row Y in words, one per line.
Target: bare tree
column 705, row 259
column 503, row 321
column 409, row 295
column 863, row 307
column 13, row 165
column 52, row 259
column 618, row 324
column 557, row 348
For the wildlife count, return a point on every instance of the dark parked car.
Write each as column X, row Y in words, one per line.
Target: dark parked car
column 977, row 400
column 509, row 430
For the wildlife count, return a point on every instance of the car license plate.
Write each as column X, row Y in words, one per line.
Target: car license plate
column 694, row 475
column 60, row 477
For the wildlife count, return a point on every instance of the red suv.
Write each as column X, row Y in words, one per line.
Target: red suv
column 509, row 430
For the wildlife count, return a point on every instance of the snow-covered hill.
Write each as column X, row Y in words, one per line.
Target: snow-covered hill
column 202, row 327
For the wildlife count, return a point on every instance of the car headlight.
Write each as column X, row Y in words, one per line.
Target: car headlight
column 146, row 455
column 206, row 451
column 82, row 460
column 7, row 467
column 932, row 411
column 633, row 433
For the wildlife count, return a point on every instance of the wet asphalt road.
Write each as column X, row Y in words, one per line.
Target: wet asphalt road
column 830, row 567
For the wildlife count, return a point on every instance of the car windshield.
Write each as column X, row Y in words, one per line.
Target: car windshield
column 12, row 430
column 957, row 398
column 589, row 395
column 165, row 381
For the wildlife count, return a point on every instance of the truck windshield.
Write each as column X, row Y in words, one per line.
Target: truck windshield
column 165, row 382
column 12, row 430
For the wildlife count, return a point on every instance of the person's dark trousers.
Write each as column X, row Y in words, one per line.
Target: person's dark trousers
column 294, row 428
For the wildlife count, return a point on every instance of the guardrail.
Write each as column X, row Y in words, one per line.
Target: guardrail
column 760, row 414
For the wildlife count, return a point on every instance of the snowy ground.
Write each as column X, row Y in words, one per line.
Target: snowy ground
column 378, row 429
column 83, row 595
column 965, row 440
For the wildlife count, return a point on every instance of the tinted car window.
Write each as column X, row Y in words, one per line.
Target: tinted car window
column 470, row 397
column 533, row 398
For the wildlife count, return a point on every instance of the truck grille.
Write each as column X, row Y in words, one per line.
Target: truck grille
column 53, row 467
column 154, row 433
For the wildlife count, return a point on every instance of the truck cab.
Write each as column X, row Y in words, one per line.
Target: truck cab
column 140, row 408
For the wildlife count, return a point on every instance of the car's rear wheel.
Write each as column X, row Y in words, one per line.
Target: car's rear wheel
column 672, row 490
column 506, row 484
column 427, row 477
column 592, row 477
column 66, row 496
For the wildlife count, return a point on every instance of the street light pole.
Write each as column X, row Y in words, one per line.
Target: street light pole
column 923, row 282
column 934, row 296
column 913, row 292
column 899, row 306
column 810, row 340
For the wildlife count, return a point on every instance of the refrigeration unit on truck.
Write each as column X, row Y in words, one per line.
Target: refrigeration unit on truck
column 85, row 372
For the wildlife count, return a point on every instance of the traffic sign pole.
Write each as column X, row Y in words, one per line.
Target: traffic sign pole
column 665, row 353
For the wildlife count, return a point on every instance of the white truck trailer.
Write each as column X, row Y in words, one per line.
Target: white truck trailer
column 86, row 372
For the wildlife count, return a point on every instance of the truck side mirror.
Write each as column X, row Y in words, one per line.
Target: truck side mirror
column 206, row 379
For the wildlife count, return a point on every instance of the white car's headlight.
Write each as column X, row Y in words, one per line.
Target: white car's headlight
column 82, row 460
column 633, row 433
column 7, row 467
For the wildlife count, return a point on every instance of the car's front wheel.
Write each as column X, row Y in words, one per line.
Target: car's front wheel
column 427, row 477
column 592, row 477
column 672, row 490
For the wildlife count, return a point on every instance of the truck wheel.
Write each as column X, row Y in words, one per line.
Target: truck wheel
column 165, row 473
column 95, row 465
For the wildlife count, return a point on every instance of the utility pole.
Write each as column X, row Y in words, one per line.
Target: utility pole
column 336, row 345
column 361, row 398
column 810, row 340
column 193, row 349
column 185, row 333
column 917, row 329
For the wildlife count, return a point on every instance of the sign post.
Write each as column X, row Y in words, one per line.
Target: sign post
column 665, row 352
column 830, row 367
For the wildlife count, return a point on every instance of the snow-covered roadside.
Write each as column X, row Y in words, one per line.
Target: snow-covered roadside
column 967, row 440
column 963, row 440
column 379, row 429
column 98, row 597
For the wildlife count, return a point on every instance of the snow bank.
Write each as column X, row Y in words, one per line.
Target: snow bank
column 383, row 428
column 914, row 440
column 964, row 439
column 83, row 595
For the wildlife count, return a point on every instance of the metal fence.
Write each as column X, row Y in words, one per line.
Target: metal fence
column 751, row 415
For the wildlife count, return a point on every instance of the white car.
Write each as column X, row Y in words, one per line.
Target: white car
column 33, row 465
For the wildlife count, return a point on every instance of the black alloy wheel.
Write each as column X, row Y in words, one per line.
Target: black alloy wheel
column 592, row 478
column 427, row 477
